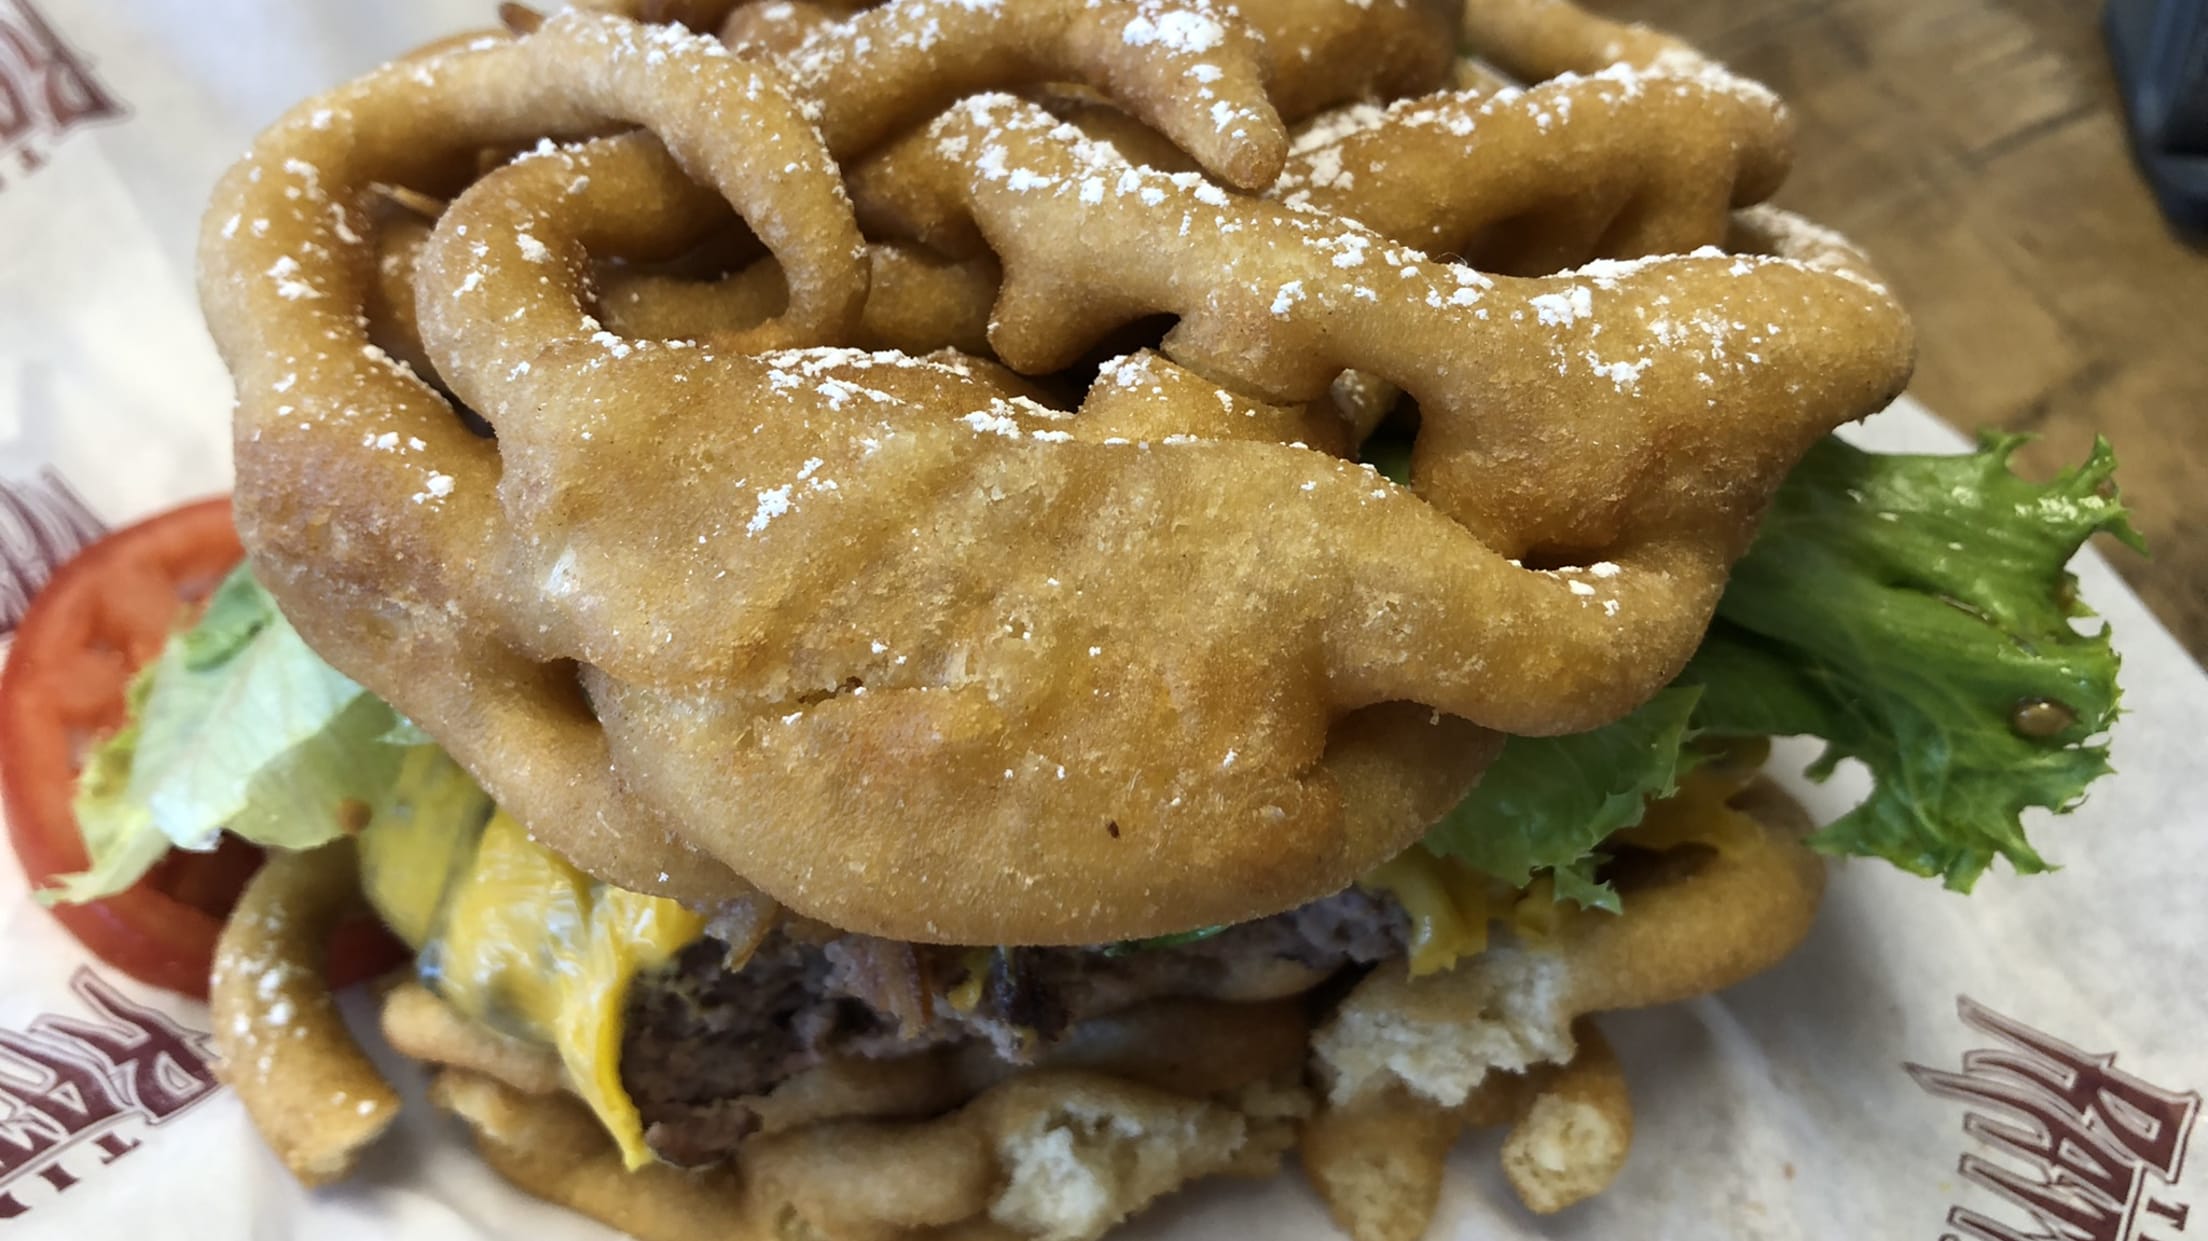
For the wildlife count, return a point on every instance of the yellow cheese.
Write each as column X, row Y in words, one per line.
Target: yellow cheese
column 967, row 994
column 1698, row 814
column 419, row 839
column 520, row 940
column 1536, row 915
column 1449, row 904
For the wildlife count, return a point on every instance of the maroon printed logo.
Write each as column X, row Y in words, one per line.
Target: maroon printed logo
column 46, row 90
column 2089, row 1153
column 42, row 524
column 71, row 1090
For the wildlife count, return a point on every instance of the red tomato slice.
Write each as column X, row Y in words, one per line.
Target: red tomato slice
column 104, row 615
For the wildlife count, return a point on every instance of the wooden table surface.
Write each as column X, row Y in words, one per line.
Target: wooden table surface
column 1976, row 148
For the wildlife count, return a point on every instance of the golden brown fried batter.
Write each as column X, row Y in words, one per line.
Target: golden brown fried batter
column 1536, row 39
column 1620, row 166
column 285, row 1050
column 1308, row 296
column 1192, row 70
column 916, row 302
column 421, row 1026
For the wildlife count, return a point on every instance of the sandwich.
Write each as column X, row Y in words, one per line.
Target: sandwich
column 848, row 771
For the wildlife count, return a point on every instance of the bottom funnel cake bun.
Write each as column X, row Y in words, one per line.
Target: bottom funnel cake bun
column 1050, row 1154
column 1374, row 1083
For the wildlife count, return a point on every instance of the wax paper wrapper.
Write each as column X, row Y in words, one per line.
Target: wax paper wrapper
column 2058, row 1026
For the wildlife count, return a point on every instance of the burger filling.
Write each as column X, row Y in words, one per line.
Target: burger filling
column 724, row 1024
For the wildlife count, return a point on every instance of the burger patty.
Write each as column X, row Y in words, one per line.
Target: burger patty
column 701, row 1038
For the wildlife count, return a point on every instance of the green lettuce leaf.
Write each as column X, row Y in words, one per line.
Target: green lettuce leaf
column 1914, row 612
column 1547, row 803
column 119, row 837
column 237, row 726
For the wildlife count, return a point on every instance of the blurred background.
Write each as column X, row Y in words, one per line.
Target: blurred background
column 1977, row 149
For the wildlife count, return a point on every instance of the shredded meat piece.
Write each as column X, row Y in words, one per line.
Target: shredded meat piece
column 701, row 1038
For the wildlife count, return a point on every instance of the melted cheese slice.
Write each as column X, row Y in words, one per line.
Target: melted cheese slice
column 1449, row 904
column 516, row 938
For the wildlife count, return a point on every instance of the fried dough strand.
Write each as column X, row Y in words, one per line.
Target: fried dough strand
column 1379, row 1159
column 1303, row 305
column 1536, row 39
column 285, row 1050
column 1623, row 165
column 1193, row 70
column 1570, row 1133
column 916, row 302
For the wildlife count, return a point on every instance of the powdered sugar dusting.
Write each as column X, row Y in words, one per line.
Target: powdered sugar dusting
column 772, row 503
column 1182, row 30
column 1565, row 308
column 290, row 285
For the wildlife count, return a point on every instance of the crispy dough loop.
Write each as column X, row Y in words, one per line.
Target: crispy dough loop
column 1619, row 166
column 916, row 302
column 1734, row 915
column 551, row 1147
column 1571, row 1129
column 287, row 262
column 1192, row 70
column 1315, row 53
column 1533, row 182
column 1143, row 396
column 624, row 197
column 1536, row 39
column 285, row 1050
column 1378, row 1162
column 1504, row 1038
column 1326, row 52
column 1689, row 423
